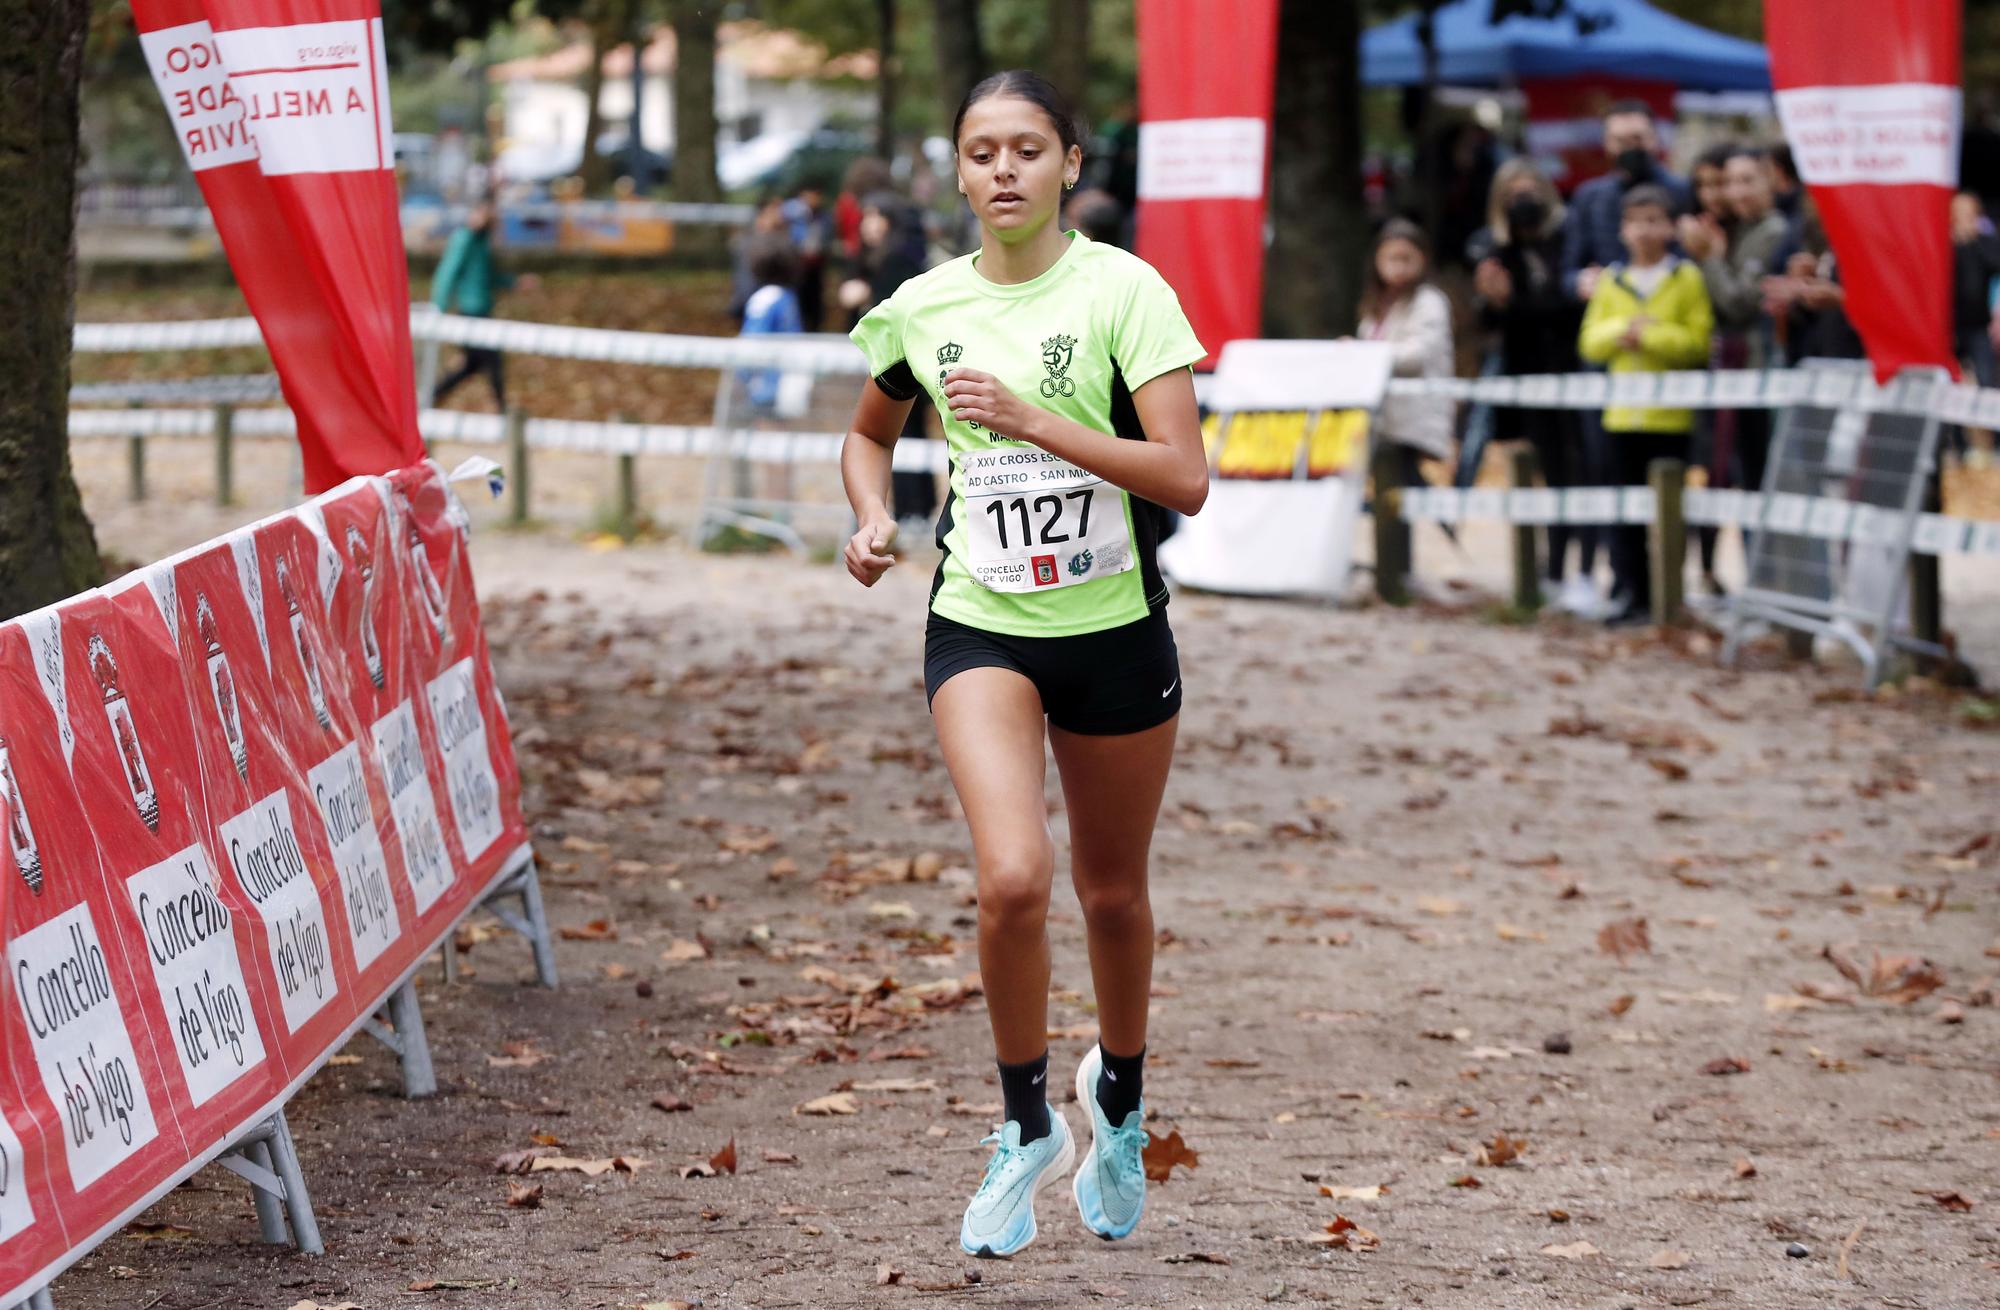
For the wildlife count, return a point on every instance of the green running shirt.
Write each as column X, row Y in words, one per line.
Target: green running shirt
column 1034, row 546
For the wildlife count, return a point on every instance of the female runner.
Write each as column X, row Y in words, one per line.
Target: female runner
column 1060, row 369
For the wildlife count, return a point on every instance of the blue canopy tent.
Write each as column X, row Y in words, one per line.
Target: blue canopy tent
column 1604, row 38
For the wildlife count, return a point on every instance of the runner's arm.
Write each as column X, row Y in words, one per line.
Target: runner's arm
column 1170, row 467
column 866, row 460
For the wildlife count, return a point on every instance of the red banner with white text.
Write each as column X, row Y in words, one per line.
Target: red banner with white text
column 1205, row 91
column 281, row 108
column 1869, row 94
column 245, row 792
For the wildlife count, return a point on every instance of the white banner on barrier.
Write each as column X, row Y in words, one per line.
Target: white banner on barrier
column 191, row 947
column 263, row 845
column 17, row 1212
column 82, row 1048
column 474, row 791
column 341, row 793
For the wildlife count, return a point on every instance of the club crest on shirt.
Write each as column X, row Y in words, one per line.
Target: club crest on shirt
column 1057, row 353
column 948, row 356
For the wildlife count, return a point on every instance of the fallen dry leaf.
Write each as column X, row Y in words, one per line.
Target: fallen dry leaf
column 625, row 1164
column 1899, row 979
column 524, row 1196
column 1163, row 1153
column 1511, row 932
column 1620, row 1005
column 666, row 1305
column 1354, row 1193
column 1624, row 938
column 837, row 1103
column 1570, row 1250
column 1671, row 770
column 887, row 1275
column 1441, row 906
column 1779, row 1002
column 1502, row 1150
column 296, row 1305
column 1746, row 1168
column 1195, row 1258
column 671, row 1104
column 597, row 930
column 1670, row 1259
column 1728, row 1064
column 779, row 1157
column 1467, row 1181
column 1952, row 1201
column 519, row 1162
column 680, row 949
column 896, row 1085
column 1347, row 1235
column 517, row 1055
column 1847, row 1249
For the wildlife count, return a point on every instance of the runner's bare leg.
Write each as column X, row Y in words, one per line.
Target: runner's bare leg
column 1112, row 787
column 989, row 724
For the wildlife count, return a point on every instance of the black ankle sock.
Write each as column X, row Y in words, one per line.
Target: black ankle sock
column 1124, row 1080
column 1025, row 1088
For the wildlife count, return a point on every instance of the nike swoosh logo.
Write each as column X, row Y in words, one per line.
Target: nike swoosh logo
column 1040, row 1076
column 1170, row 690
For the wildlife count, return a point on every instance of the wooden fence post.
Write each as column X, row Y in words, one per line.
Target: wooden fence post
column 135, row 463
column 1527, row 543
column 1669, row 539
column 225, row 454
column 517, row 466
column 1392, row 535
column 628, row 490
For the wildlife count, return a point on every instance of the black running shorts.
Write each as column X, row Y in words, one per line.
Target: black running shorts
column 1100, row 684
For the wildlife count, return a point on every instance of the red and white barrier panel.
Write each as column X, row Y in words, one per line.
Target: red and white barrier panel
column 245, row 792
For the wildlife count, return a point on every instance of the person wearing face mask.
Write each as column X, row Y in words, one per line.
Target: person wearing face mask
column 1517, row 273
column 1632, row 145
column 1735, row 260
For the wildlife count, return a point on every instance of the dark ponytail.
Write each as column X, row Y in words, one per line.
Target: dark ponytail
column 1032, row 87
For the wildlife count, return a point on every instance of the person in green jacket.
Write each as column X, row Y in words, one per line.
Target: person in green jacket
column 1650, row 314
column 466, row 281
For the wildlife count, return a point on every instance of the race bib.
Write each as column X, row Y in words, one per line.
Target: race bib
column 1035, row 522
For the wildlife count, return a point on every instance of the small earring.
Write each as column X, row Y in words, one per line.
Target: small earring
column 1070, row 185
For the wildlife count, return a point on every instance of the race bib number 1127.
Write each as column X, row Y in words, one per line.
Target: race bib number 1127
column 1035, row 522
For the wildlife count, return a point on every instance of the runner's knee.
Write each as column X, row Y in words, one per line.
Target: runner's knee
column 1114, row 903
column 1014, row 885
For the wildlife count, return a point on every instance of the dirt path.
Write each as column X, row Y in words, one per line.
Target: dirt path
column 1393, row 844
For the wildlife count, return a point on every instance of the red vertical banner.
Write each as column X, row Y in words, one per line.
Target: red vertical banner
column 281, row 108
column 1869, row 94
column 1206, row 74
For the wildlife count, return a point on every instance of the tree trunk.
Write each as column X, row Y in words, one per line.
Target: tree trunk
column 885, row 79
column 47, row 548
column 1068, row 61
column 961, row 52
column 694, row 101
column 1312, row 279
column 607, row 25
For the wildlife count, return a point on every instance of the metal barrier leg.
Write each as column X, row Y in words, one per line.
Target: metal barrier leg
column 538, row 921
column 404, row 1034
column 268, row 1160
column 41, row 1301
column 270, row 1214
column 305, row 1228
column 451, row 960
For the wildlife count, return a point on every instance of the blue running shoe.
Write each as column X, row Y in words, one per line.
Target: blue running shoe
column 1001, row 1218
column 1110, row 1188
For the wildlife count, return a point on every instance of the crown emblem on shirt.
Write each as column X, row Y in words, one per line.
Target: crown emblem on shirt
column 949, row 353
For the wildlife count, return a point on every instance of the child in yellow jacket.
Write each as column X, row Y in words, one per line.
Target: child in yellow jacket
column 1648, row 315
